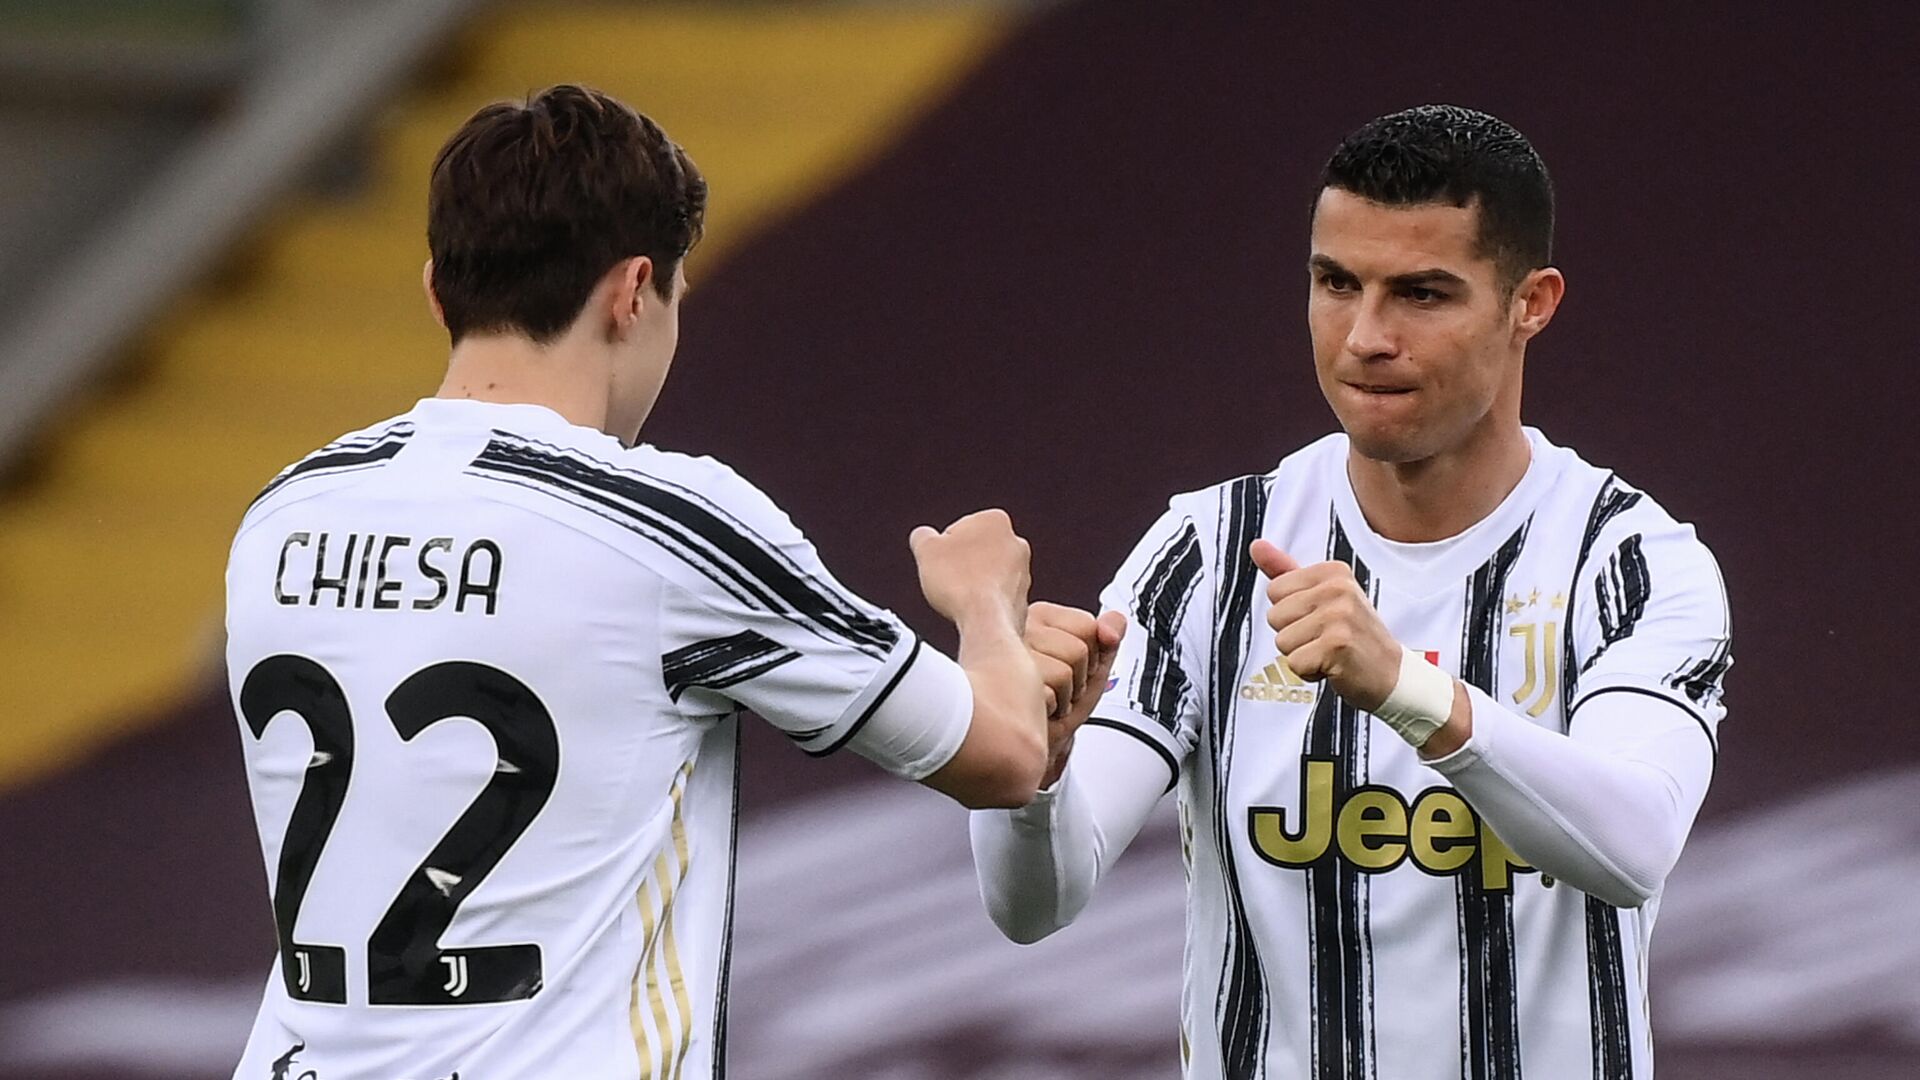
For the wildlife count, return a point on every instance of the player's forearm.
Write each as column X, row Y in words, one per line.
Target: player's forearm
column 1606, row 812
column 1009, row 704
column 1039, row 865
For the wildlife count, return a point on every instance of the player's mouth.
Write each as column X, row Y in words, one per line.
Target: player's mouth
column 1380, row 388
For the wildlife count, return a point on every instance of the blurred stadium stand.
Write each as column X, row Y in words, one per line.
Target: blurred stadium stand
column 953, row 246
column 239, row 102
column 93, row 95
column 259, row 365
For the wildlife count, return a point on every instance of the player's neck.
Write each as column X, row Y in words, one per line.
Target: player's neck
column 508, row 369
column 1445, row 495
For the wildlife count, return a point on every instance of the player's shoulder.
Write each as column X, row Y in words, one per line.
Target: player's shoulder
column 1219, row 508
column 374, row 442
column 1205, row 517
column 355, row 451
column 1297, row 475
column 1610, row 511
column 1189, row 539
column 656, row 492
column 711, row 486
column 391, row 429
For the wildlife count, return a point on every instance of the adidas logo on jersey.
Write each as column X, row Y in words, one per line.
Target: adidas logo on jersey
column 1277, row 682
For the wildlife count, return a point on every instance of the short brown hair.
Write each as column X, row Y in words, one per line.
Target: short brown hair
column 531, row 204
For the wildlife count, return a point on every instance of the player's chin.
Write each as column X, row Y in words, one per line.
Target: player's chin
column 1390, row 450
column 1386, row 434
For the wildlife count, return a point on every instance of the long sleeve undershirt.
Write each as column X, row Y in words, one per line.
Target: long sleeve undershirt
column 1605, row 808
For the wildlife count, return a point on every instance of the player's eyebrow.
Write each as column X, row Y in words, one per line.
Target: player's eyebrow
column 1423, row 278
column 1413, row 279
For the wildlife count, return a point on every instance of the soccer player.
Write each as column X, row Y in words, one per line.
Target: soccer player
column 488, row 656
column 1439, row 697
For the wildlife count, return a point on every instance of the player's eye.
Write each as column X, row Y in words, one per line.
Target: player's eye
column 1420, row 294
column 1337, row 283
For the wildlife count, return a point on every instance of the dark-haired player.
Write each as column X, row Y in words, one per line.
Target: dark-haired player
column 488, row 655
column 1440, row 698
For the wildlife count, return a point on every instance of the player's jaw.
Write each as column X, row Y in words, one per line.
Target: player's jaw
column 1402, row 405
column 1386, row 420
column 1383, row 397
column 1410, row 409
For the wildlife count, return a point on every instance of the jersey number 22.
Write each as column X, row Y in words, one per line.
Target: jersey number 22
column 405, row 963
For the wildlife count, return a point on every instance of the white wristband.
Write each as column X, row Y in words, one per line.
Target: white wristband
column 1421, row 701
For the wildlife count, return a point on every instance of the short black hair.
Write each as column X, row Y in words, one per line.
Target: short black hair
column 1462, row 157
column 531, row 203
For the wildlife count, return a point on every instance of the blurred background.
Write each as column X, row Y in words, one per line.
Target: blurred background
column 1042, row 255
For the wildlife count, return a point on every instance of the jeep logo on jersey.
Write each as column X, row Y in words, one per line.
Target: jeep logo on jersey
column 1374, row 830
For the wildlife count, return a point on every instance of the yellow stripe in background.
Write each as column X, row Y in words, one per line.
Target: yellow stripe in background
column 111, row 560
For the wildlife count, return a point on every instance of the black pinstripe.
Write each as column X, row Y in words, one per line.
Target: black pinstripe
column 1489, row 1012
column 1701, row 679
column 724, row 976
column 1241, row 1007
column 731, row 555
column 1160, row 601
column 1341, row 1006
column 1620, row 593
column 1606, row 961
column 345, row 455
column 718, row 663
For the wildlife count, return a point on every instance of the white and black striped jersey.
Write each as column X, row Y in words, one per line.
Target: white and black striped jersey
column 1350, row 916
column 487, row 666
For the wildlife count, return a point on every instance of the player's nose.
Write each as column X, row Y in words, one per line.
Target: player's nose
column 1372, row 334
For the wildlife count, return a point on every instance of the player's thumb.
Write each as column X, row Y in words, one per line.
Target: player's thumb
column 1270, row 559
column 1108, row 630
column 918, row 538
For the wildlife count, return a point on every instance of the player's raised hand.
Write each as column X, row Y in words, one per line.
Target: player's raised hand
column 975, row 568
column 1074, row 653
column 1326, row 627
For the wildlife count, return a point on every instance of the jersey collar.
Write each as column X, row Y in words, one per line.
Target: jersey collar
column 480, row 415
column 1423, row 568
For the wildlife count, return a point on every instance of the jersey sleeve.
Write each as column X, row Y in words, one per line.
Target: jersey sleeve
column 1650, row 616
column 1155, row 690
column 763, row 625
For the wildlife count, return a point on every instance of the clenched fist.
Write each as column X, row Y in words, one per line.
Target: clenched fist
column 1327, row 628
column 1074, row 652
column 975, row 568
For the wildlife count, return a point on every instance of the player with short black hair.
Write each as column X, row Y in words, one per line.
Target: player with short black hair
column 1440, row 698
column 489, row 656
column 1457, row 157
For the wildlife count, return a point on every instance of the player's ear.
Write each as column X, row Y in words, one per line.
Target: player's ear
column 1536, row 299
column 433, row 299
column 631, row 279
